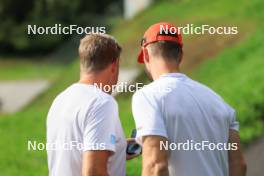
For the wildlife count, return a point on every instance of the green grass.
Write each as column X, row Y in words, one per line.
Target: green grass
column 18, row 69
column 237, row 74
column 29, row 124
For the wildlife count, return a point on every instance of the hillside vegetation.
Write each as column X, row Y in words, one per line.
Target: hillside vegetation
column 236, row 74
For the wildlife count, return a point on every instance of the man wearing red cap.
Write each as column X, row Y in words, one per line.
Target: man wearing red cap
column 184, row 127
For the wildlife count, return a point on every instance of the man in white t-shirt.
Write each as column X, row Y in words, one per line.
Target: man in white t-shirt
column 84, row 133
column 183, row 126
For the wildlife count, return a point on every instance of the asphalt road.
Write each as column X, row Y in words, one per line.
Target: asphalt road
column 14, row 95
column 254, row 155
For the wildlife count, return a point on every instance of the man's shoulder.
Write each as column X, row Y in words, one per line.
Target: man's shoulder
column 86, row 96
column 207, row 89
column 97, row 95
column 104, row 97
column 98, row 105
column 210, row 92
column 151, row 87
column 145, row 90
column 150, row 92
column 101, row 101
column 157, row 88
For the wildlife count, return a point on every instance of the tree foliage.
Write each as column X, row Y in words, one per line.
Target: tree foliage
column 16, row 15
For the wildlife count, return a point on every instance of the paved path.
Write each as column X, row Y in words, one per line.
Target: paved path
column 14, row 95
column 255, row 158
column 126, row 76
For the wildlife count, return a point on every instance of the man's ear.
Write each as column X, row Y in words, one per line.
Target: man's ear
column 114, row 65
column 181, row 56
column 146, row 55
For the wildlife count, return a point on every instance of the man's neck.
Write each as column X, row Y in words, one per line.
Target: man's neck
column 94, row 79
column 164, row 69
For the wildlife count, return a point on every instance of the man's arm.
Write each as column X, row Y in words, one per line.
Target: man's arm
column 155, row 160
column 95, row 163
column 99, row 128
column 237, row 165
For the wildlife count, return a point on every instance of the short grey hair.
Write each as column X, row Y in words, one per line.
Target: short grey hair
column 97, row 51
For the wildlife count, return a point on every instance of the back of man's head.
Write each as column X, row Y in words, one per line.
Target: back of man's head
column 97, row 51
column 167, row 50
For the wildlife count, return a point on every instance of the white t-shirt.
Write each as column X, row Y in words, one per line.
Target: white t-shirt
column 84, row 118
column 185, row 111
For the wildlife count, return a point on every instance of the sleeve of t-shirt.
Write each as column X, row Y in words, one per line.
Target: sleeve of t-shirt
column 147, row 116
column 233, row 123
column 99, row 126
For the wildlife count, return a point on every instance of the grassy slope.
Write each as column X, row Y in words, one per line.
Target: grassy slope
column 17, row 69
column 238, row 68
column 237, row 74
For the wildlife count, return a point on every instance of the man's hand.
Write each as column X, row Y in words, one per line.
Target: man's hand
column 95, row 163
column 237, row 165
column 155, row 160
column 129, row 157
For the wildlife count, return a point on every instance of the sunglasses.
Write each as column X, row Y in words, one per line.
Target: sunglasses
column 144, row 40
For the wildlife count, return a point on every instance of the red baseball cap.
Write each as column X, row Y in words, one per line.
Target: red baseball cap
column 162, row 31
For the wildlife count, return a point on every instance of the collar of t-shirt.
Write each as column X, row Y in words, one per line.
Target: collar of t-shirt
column 173, row 75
